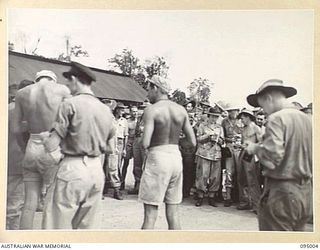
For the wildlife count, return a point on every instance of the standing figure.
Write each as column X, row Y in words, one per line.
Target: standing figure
column 132, row 123
column 37, row 105
column 162, row 175
column 138, row 152
column 74, row 198
column 286, row 154
column 15, row 186
column 232, row 131
column 248, row 165
column 210, row 137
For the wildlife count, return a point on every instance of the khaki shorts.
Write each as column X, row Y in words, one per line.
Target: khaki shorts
column 38, row 164
column 161, row 180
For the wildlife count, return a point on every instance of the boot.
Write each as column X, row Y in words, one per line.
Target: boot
column 117, row 194
column 199, row 202
column 212, row 202
column 134, row 190
column 227, row 203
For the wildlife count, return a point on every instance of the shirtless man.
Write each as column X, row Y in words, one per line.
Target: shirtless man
column 162, row 175
column 37, row 104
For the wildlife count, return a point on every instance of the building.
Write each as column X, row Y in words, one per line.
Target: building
column 109, row 85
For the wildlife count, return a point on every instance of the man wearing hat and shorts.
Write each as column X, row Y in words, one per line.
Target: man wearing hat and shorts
column 162, row 175
column 232, row 132
column 37, row 105
column 248, row 174
column 83, row 128
column 286, row 153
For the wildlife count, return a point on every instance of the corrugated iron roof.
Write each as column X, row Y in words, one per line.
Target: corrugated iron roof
column 110, row 85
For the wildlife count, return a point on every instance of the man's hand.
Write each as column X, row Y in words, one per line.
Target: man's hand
column 52, row 142
column 251, row 147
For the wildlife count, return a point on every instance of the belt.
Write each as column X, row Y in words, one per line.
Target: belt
column 119, row 138
column 81, row 156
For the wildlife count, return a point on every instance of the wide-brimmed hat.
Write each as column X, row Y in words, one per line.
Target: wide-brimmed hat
column 214, row 111
column 112, row 104
column 187, row 101
column 231, row 108
column 309, row 106
column 247, row 112
column 77, row 69
column 205, row 103
column 273, row 84
column 160, row 82
column 120, row 105
column 46, row 73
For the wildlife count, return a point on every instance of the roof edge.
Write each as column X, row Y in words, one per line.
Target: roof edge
column 50, row 60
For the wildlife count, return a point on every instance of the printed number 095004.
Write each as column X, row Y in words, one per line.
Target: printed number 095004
column 308, row 245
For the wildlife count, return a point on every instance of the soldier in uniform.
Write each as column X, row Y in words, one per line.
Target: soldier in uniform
column 232, row 131
column 210, row 137
column 84, row 129
column 286, row 153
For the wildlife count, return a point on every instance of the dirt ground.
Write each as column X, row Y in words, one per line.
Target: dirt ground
column 127, row 214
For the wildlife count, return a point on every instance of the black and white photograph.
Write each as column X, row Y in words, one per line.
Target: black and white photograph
column 131, row 120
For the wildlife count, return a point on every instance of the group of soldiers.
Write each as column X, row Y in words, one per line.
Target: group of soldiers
column 69, row 148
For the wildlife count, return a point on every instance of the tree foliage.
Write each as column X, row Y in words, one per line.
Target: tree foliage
column 126, row 62
column 156, row 66
column 74, row 51
column 200, row 89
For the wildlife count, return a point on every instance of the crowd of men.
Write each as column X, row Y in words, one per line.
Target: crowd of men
column 67, row 148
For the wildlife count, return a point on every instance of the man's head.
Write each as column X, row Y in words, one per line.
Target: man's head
column 246, row 116
column 157, row 87
column 189, row 105
column 119, row 110
column 213, row 115
column 260, row 119
column 45, row 74
column 271, row 96
column 78, row 75
column 134, row 111
column 233, row 112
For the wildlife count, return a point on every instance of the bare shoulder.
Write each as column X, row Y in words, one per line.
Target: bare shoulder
column 22, row 93
column 63, row 89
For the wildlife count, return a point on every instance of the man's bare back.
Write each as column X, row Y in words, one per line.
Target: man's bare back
column 168, row 119
column 38, row 105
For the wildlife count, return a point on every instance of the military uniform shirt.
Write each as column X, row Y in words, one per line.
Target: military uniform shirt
column 208, row 149
column 286, row 150
column 84, row 123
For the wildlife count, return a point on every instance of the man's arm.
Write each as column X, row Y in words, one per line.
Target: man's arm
column 271, row 151
column 188, row 131
column 60, row 127
column 17, row 123
column 111, row 145
column 148, row 120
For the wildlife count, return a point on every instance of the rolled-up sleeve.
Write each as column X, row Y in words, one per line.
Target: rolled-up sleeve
column 64, row 116
column 272, row 149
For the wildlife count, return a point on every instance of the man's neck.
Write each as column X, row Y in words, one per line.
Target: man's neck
column 84, row 89
column 162, row 97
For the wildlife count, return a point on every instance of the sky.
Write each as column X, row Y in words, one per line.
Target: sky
column 236, row 50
